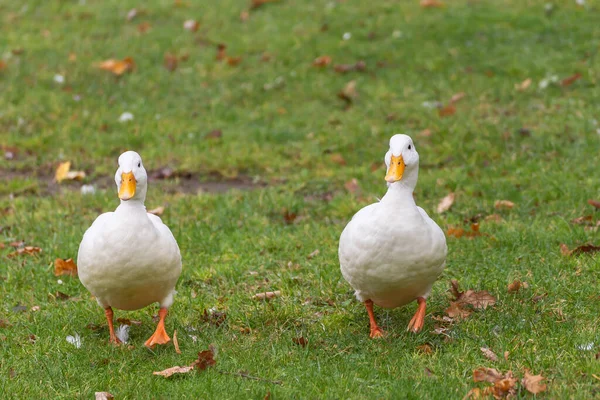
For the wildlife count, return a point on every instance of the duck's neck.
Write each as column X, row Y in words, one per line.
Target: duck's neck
column 131, row 206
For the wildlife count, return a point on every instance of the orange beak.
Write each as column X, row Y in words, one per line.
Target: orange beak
column 396, row 169
column 127, row 189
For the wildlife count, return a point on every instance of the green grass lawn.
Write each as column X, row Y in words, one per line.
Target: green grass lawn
column 289, row 137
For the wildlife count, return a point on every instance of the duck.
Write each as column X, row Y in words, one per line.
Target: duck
column 391, row 252
column 128, row 259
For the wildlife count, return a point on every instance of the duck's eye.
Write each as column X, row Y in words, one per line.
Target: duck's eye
column 139, row 164
column 409, row 147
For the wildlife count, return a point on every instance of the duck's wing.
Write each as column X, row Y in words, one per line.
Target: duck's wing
column 165, row 234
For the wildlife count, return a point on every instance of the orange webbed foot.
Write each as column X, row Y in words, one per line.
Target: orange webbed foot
column 418, row 320
column 376, row 333
column 160, row 335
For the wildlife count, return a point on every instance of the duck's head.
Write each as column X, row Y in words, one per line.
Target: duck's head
column 402, row 161
column 131, row 177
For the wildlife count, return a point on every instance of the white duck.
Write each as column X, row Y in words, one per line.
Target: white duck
column 129, row 259
column 391, row 252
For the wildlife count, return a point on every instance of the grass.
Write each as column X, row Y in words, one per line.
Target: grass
column 281, row 121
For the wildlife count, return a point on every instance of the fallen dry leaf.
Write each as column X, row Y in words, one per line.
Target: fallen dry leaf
column 31, row 250
column 63, row 173
column 456, row 311
column 583, row 249
column 233, row 61
column 300, row 341
column 506, row 354
column 516, row 285
column 3, row 65
column 289, row 217
column 214, row 134
column 349, row 93
column 447, row 111
column 594, row 203
column 176, row 342
column 61, row 296
column 446, row 203
column 214, row 317
column 103, row 396
column 460, row 232
column 503, row 205
column 259, row 3
column 118, row 67
column 431, row 4
column 523, row 85
column 144, row 27
column 493, row 218
column 65, row 267
column 489, row 354
column 174, row 370
column 170, row 62
column 533, row 383
column 484, row 374
column 569, row 80
column 191, row 25
column 457, row 97
column 503, row 384
column 266, row 295
column 322, row 61
column 343, row 68
column 221, row 52
column 205, row 359
column 132, row 14
column 352, row 185
column 337, row 158
column 313, row 254
column 476, row 299
column 425, row 349
column 157, row 211
column 583, row 220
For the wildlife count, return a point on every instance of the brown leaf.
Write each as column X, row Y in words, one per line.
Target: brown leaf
column 65, row 267
column 144, row 27
column 349, row 93
column 221, row 52
column 503, row 205
column 174, row 370
column 533, row 383
column 484, row 374
column 205, row 359
column 523, row 85
column 176, row 342
column 569, row 80
column 594, row 203
column 313, row 254
column 267, row 295
column 489, row 354
column 425, row 349
column 214, row 317
column 61, row 296
column 103, row 396
column 117, row 67
column 493, row 218
column 191, row 25
column 456, row 311
column 170, row 62
column 3, row 65
column 244, row 16
column 157, row 211
column 481, row 299
column 259, row 3
column 337, row 158
column 289, row 217
column 583, row 249
column 457, row 97
column 343, row 68
column 31, row 250
column 446, row 203
column 516, row 285
column 447, row 111
column 506, row 354
column 300, row 341
column 431, row 4
column 322, row 61
column 352, row 185
column 583, row 220
column 233, row 61
column 4, row 323
column 460, row 232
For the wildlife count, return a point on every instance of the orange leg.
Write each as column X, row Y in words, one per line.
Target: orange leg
column 416, row 323
column 376, row 332
column 111, row 329
column 160, row 334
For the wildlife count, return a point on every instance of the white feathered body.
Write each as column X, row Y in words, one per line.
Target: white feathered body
column 129, row 259
column 391, row 252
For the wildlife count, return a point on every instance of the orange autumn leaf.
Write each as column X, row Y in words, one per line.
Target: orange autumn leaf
column 431, row 4
column 322, row 61
column 221, row 52
column 569, row 80
column 174, row 370
column 170, row 62
column 594, row 203
column 517, row 285
column 233, row 61
column 503, row 205
column 65, row 267
column 118, row 67
column 144, row 27
column 447, row 111
column 63, row 172
column 27, row 250
column 533, row 383
column 457, row 97
column 3, row 65
column 583, row 249
column 259, row 3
